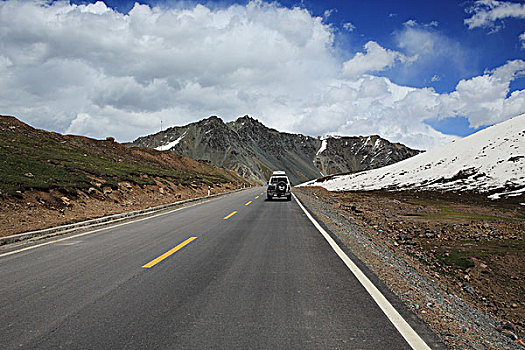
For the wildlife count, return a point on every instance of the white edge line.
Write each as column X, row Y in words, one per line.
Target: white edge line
column 109, row 226
column 412, row 338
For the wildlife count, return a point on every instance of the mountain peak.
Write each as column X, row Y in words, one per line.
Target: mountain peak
column 247, row 124
column 253, row 150
column 213, row 119
column 247, row 120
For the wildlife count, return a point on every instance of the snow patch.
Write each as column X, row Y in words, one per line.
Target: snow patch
column 491, row 160
column 172, row 144
column 323, row 146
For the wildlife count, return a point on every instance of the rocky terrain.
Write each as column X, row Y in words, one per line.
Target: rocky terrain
column 254, row 150
column 49, row 179
column 457, row 262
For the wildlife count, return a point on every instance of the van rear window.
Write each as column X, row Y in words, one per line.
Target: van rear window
column 275, row 180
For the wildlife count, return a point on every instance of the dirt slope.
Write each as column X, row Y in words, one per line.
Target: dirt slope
column 48, row 179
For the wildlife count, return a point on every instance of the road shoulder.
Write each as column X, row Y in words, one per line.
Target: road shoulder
column 416, row 295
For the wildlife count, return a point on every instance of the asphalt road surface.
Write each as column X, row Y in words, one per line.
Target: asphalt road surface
column 237, row 272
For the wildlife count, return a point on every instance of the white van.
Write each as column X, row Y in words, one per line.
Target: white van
column 279, row 186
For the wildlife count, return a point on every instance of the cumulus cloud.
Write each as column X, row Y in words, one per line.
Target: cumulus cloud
column 522, row 39
column 483, row 99
column 63, row 61
column 376, row 59
column 90, row 70
column 486, row 13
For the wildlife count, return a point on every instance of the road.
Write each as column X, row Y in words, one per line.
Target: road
column 236, row 272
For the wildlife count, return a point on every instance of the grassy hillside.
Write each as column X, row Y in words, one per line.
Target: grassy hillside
column 32, row 159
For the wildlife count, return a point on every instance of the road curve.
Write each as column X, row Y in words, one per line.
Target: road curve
column 237, row 272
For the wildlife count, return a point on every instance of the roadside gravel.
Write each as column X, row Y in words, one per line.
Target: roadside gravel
column 428, row 294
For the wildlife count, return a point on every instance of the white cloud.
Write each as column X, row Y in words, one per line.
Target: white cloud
column 93, row 71
column 414, row 23
column 63, row 60
column 486, row 13
column 376, row 59
column 328, row 13
column 348, row 27
column 483, row 99
column 434, row 52
column 522, row 39
column 421, row 40
column 410, row 23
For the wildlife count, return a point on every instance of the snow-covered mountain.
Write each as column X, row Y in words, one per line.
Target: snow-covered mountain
column 491, row 161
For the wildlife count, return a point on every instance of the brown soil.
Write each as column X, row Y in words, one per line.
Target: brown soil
column 471, row 247
column 34, row 210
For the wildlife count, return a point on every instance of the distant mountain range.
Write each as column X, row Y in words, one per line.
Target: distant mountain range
column 254, row 150
column 491, row 162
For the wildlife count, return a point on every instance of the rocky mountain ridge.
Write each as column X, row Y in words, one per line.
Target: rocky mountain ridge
column 253, row 150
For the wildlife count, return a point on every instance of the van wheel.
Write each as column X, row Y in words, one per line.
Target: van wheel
column 289, row 197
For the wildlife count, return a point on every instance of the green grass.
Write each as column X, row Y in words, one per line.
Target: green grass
column 456, row 213
column 459, row 260
column 458, row 254
column 67, row 164
column 45, row 175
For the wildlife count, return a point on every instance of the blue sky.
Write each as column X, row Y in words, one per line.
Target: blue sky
column 418, row 72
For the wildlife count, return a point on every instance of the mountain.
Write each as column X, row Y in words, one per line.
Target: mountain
column 491, row 161
column 254, row 150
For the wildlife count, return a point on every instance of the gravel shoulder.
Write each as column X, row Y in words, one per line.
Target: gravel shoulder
column 457, row 264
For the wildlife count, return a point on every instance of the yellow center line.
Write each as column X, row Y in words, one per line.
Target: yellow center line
column 256, row 197
column 250, row 202
column 229, row 216
column 168, row 253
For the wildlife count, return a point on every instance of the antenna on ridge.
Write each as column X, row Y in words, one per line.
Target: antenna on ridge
column 161, row 125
